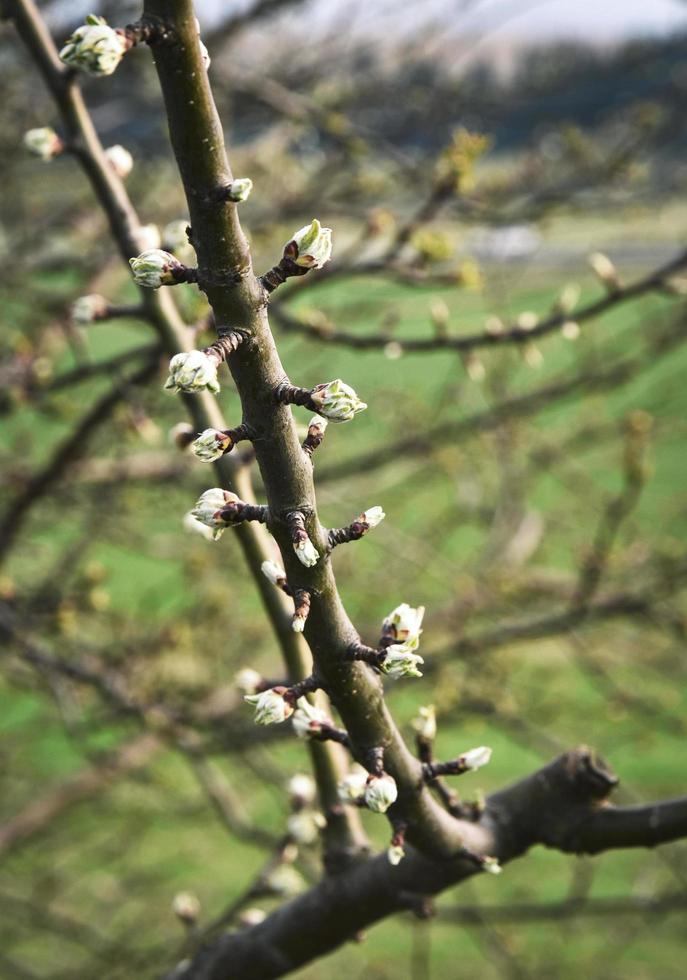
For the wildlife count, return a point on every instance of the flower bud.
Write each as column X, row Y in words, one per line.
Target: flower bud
column 87, row 309
column 94, row 47
column 181, row 435
column 351, row 789
column 372, row 517
column 273, row 573
column 425, row 722
column 252, row 917
column 211, row 444
column 120, row 160
column 147, row 237
column 336, row 401
column 247, row 680
column 209, row 507
column 205, row 55
column 304, row 826
column 306, row 552
column 307, row 719
column 302, row 788
column 192, row 371
column 476, row 758
column 193, row 525
column 395, row 854
column 43, row 142
column 400, row 661
column 311, row 246
column 381, row 791
column 186, row 907
column 271, row 707
column 404, row 623
column 239, row 189
column 605, row 270
column 491, row 865
column 284, row 880
column 154, row 268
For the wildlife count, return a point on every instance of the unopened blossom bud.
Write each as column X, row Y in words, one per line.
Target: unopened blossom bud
column 247, row 680
column 380, row 792
column 273, row 573
column 567, row 298
column 395, row 854
column 425, row 722
column 605, row 270
column 147, row 237
column 306, row 552
column 193, row 525
column 205, row 55
column 491, row 866
column 186, row 907
column 307, row 719
column 400, row 661
column 311, row 246
column 337, row 401
column 404, row 622
column 239, row 189
column 252, row 917
column 302, row 788
column 305, row 826
column 476, row 758
column 211, row 444
column 192, row 371
column 120, row 160
column 271, row 707
column 43, row 142
column 372, row 516
column 570, row 330
column 87, row 309
column 155, row 267
column 317, row 425
column 209, row 507
column 95, row 47
column 351, row 789
column 284, row 880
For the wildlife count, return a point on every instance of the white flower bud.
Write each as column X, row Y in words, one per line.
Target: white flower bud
column 395, row 854
column 284, row 880
column 247, row 680
column 273, row 573
column 400, row 661
column 605, row 270
column 192, row 371
column 305, row 825
column 306, row 552
column 252, row 917
column 205, row 55
column 154, row 268
column 298, row 623
column 186, row 907
column 120, row 160
column 319, row 423
column 193, row 525
column 491, row 866
column 380, row 792
column 302, row 788
column 404, row 622
column 209, row 506
column 476, row 758
column 94, row 47
column 337, row 401
column 373, row 516
column 425, row 722
column 43, row 142
column 311, row 246
column 307, row 719
column 147, row 237
column 239, row 189
column 527, row 321
column 351, row 789
column 570, row 330
column 271, row 707
column 211, row 444
column 86, row 309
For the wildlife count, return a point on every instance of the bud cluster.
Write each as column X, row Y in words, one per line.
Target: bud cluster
column 193, row 371
column 219, row 509
column 95, row 47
